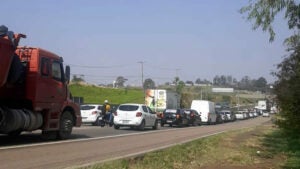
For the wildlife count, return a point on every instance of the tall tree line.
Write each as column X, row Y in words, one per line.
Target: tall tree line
column 287, row 86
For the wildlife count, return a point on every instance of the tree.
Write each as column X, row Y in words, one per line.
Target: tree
column 189, row 82
column 149, row 84
column 198, row 81
column 287, row 88
column 120, row 81
column 260, row 83
column 78, row 79
column 176, row 80
column 180, row 87
column 245, row 83
column 287, row 85
column 223, row 80
column 229, row 80
column 263, row 12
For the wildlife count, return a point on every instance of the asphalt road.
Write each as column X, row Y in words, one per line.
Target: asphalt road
column 91, row 144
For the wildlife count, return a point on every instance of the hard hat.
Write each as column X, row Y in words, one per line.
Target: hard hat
column 106, row 101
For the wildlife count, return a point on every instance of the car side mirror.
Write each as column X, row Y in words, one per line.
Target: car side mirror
column 67, row 74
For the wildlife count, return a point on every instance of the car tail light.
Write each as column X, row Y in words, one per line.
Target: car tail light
column 94, row 112
column 138, row 114
column 115, row 113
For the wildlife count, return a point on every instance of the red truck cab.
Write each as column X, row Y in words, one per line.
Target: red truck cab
column 34, row 92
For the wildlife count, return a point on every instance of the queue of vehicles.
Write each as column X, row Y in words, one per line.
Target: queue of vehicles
column 34, row 95
column 141, row 116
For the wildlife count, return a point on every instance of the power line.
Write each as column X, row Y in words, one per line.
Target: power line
column 98, row 67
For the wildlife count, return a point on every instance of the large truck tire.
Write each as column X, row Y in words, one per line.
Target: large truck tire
column 66, row 126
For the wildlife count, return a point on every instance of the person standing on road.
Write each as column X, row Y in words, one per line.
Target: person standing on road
column 106, row 110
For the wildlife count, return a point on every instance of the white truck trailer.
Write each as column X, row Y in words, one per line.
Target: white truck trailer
column 159, row 100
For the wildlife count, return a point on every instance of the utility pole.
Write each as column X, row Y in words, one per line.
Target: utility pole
column 142, row 66
column 177, row 72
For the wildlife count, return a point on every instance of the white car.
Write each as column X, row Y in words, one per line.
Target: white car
column 240, row 115
column 135, row 116
column 90, row 113
column 265, row 114
column 229, row 114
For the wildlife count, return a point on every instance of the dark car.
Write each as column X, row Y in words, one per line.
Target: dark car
column 174, row 117
column 193, row 117
column 220, row 118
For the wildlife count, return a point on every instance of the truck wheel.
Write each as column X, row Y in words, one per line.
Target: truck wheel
column 142, row 125
column 155, row 125
column 66, row 126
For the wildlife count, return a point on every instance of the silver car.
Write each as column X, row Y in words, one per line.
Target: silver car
column 135, row 116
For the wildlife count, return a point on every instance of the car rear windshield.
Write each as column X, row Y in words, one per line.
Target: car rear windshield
column 172, row 111
column 128, row 107
column 87, row 107
column 187, row 111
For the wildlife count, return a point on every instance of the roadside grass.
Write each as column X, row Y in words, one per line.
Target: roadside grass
column 260, row 147
column 285, row 144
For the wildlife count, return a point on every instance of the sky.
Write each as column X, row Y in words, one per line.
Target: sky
column 140, row 39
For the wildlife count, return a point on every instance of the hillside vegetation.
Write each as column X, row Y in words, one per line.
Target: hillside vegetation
column 97, row 94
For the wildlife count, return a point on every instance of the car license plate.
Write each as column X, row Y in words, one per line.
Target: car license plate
column 125, row 121
column 169, row 121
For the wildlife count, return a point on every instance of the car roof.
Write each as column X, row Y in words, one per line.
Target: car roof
column 133, row 104
column 91, row 105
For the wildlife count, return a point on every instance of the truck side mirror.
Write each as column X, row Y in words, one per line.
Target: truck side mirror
column 67, row 75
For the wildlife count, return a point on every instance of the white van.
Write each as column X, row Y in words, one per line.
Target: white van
column 206, row 109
